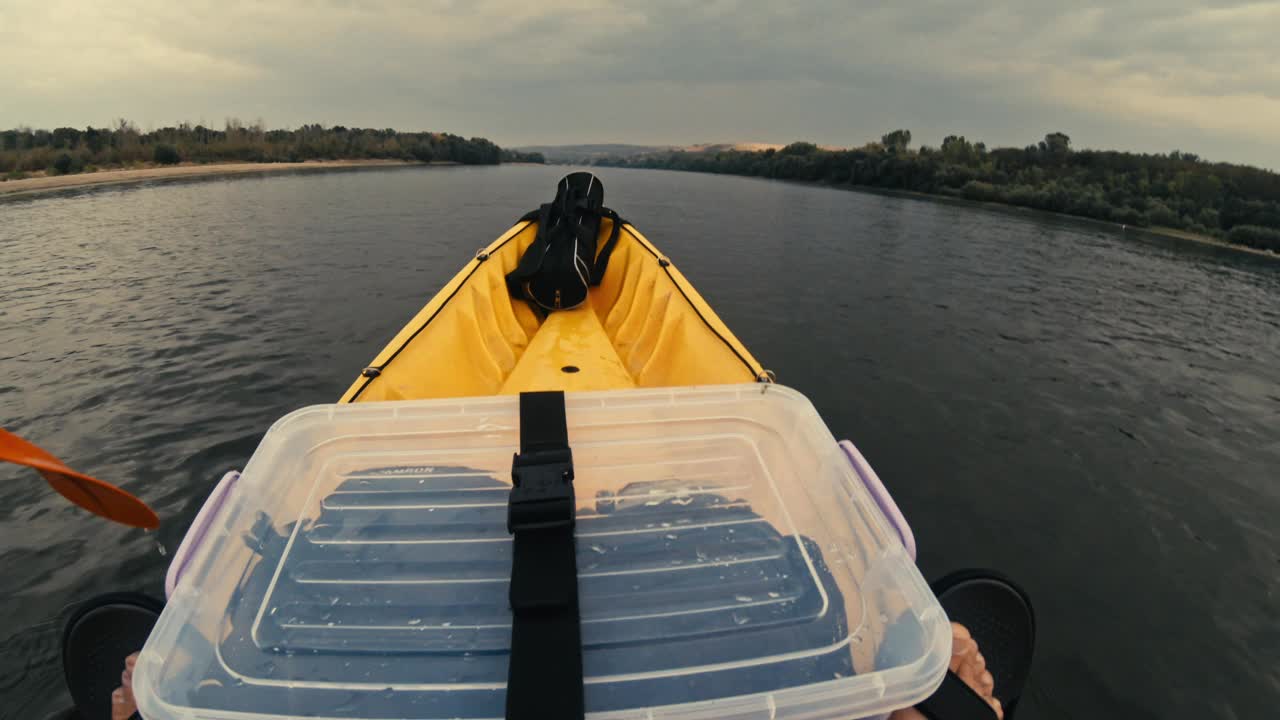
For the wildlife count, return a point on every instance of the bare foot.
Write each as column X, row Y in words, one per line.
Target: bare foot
column 966, row 662
column 122, row 703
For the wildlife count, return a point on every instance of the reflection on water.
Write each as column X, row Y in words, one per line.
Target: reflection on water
column 1094, row 415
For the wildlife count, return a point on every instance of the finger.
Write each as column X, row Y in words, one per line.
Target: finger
column 130, row 661
column 987, row 683
column 995, row 705
column 960, row 632
column 128, row 697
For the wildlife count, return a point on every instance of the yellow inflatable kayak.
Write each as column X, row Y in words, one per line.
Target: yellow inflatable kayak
column 643, row 326
column 690, row 552
column 649, row 550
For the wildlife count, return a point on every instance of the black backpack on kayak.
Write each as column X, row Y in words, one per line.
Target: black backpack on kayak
column 564, row 261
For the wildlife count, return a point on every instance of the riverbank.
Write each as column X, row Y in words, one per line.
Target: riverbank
column 1204, row 201
column 1202, row 239
column 1160, row 232
column 53, row 183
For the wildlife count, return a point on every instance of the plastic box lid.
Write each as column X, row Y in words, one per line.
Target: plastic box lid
column 730, row 566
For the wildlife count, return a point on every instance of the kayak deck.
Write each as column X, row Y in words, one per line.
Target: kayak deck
column 643, row 326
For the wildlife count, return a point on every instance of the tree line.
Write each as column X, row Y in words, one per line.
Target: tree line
column 1240, row 204
column 70, row 150
column 522, row 156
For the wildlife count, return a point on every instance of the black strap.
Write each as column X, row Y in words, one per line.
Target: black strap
column 531, row 260
column 954, row 700
column 544, row 680
column 602, row 258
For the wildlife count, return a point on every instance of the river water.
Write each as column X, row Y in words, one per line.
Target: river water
column 1096, row 415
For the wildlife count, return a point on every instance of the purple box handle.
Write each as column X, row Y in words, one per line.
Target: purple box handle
column 199, row 528
column 882, row 496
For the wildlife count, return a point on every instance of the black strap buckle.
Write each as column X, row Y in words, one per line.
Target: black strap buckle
column 544, row 681
column 542, row 490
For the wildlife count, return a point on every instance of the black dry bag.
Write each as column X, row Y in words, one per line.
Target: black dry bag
column 564, row 260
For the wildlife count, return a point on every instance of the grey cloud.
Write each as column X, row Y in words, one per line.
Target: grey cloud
column 1143, row 75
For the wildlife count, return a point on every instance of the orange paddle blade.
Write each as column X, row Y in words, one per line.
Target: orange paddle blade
column 97, row 497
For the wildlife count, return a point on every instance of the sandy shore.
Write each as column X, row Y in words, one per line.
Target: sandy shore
column 115, row 177
column 1202, row 239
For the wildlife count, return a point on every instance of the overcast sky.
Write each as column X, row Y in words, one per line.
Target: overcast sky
column 1154, row 75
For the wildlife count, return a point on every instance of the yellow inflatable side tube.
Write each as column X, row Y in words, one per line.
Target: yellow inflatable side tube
column 643, row 326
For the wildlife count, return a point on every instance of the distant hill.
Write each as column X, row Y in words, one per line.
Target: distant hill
column 726, row 147
column 588, row 154
column 585, row 154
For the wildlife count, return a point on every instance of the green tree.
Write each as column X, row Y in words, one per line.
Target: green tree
column 1177, row 190
column 166, row 155
column 1203, row 190
column 63, row 163
column 799, row 148
column 95, row 139
column 956, row 149
column 1255, row 236
column 1161, row 215
column 896, row 141
column 1056, row 146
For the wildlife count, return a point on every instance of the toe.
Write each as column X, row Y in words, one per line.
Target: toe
column 987, row 683
column 961, row 653
column 121, row 709
column 971, row 676
column 975, row 675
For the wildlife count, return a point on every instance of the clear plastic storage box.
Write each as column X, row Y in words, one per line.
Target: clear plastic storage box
column 730, row 565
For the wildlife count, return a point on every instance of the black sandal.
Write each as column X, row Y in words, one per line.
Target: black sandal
column 999, row 616
column 100, row 634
